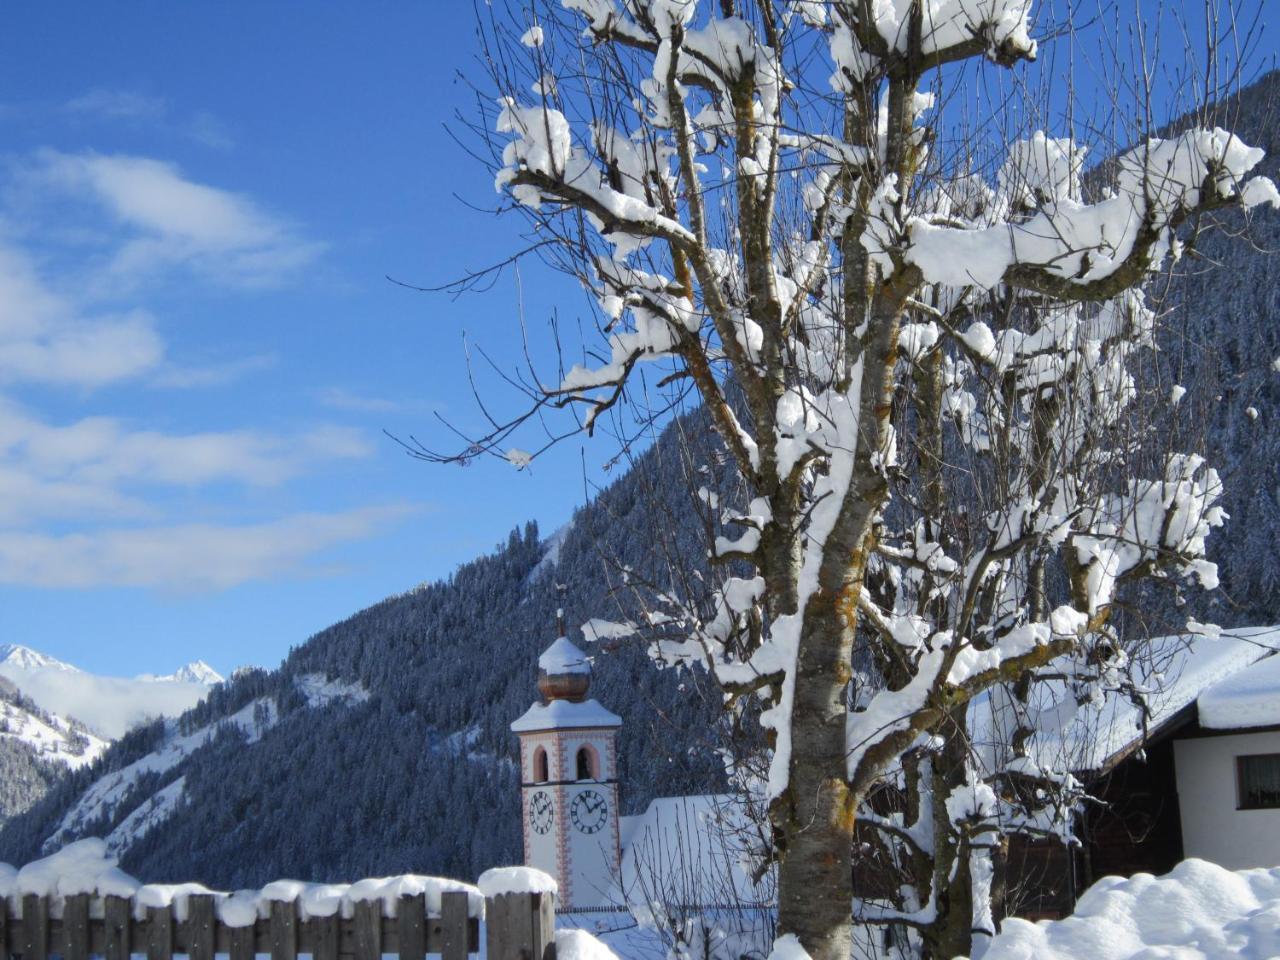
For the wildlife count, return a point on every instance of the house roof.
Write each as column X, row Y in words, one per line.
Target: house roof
column 1250, row 698
column 1095, row 737
column 690, row 851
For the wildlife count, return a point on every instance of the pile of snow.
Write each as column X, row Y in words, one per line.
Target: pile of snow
column 87, row 867
column 1251, row 698
column 1199, row 911
column 580, row 945
column 109, row 706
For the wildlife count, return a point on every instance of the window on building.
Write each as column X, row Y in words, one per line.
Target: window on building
column 1258, row 778
column 586, row 764
column 540, row 766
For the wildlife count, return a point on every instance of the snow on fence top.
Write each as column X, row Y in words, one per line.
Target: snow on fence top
column 78, row 904
column 84, row 867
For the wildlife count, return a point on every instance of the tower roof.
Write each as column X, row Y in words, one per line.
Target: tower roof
column 562, row 657
column 566, row 715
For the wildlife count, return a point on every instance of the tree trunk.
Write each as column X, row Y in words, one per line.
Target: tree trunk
column 815, row 879
column 951, row 933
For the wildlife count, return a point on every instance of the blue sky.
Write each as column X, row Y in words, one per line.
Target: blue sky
column 199, row 351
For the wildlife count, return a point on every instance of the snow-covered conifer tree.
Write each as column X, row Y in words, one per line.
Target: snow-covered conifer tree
column 926, row 373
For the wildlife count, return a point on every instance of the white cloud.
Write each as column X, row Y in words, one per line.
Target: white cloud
column 176, row 221
column 44, row 338
column 104, row 453
column 117, row 105
column 206, row 129
column 184, row 557
column 339, row 398
column 100, row 501
column 211, row 375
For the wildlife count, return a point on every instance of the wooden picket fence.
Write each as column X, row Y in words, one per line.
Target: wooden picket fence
column 518, row 926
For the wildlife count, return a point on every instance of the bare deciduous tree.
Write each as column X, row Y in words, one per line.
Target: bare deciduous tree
column 927, row 380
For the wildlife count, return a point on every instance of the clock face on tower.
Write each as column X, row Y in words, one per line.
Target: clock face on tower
column 589, row 811
column 541, row 812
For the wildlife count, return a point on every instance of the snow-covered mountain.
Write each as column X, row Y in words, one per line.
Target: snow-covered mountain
column 108, row 706
column 17, row 657
column 197, row 671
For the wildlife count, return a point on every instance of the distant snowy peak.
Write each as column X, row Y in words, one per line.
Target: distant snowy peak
column 24, row 658
column 108, row 706
column 197, row 671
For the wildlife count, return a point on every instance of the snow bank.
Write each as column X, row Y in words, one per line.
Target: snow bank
column 500, row 880
column 787, row 947
column 580, row 945
column 1251, row 698
column 1199, row 911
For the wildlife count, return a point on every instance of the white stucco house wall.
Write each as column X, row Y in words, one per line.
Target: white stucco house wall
column 1228, row 770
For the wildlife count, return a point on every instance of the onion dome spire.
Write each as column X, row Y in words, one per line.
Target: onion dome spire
column 564, row 672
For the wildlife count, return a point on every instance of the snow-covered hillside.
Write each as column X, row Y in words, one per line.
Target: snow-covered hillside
column 49, row 736
column 108, row 706
column 152, row 787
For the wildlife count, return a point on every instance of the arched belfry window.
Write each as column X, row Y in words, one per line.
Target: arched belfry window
column 587, row 764
column 540, row 774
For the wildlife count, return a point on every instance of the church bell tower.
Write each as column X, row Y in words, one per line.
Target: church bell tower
column 569, row 779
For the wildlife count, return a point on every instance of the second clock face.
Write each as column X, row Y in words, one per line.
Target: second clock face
column 589, row 811
column 541, row 812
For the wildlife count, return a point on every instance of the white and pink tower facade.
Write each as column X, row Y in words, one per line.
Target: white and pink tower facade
column 569, row 780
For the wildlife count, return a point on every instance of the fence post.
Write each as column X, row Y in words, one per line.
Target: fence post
column 454, row 925
column 520, row 926
column 201, row 939
column 543, row 924
column 116, row 921
column 35, row 927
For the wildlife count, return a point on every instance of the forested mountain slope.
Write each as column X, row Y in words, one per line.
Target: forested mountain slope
column 381, row 745
column 1224, row 349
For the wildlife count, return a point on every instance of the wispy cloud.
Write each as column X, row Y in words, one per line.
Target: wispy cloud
column 107, row 501
column 130, row 107
column 213, row 374
column 102, row 458
column 204, row 128
column 339, row 398
column 173, row 221
column 45, row 338
column 117, row 105
column 185, row 557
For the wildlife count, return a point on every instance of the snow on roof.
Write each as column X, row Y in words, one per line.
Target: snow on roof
column 565, row 714
column 563, row 657
column 689, row 850
column 1250, row 698
column 1198, row 911
column 1091, row 737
